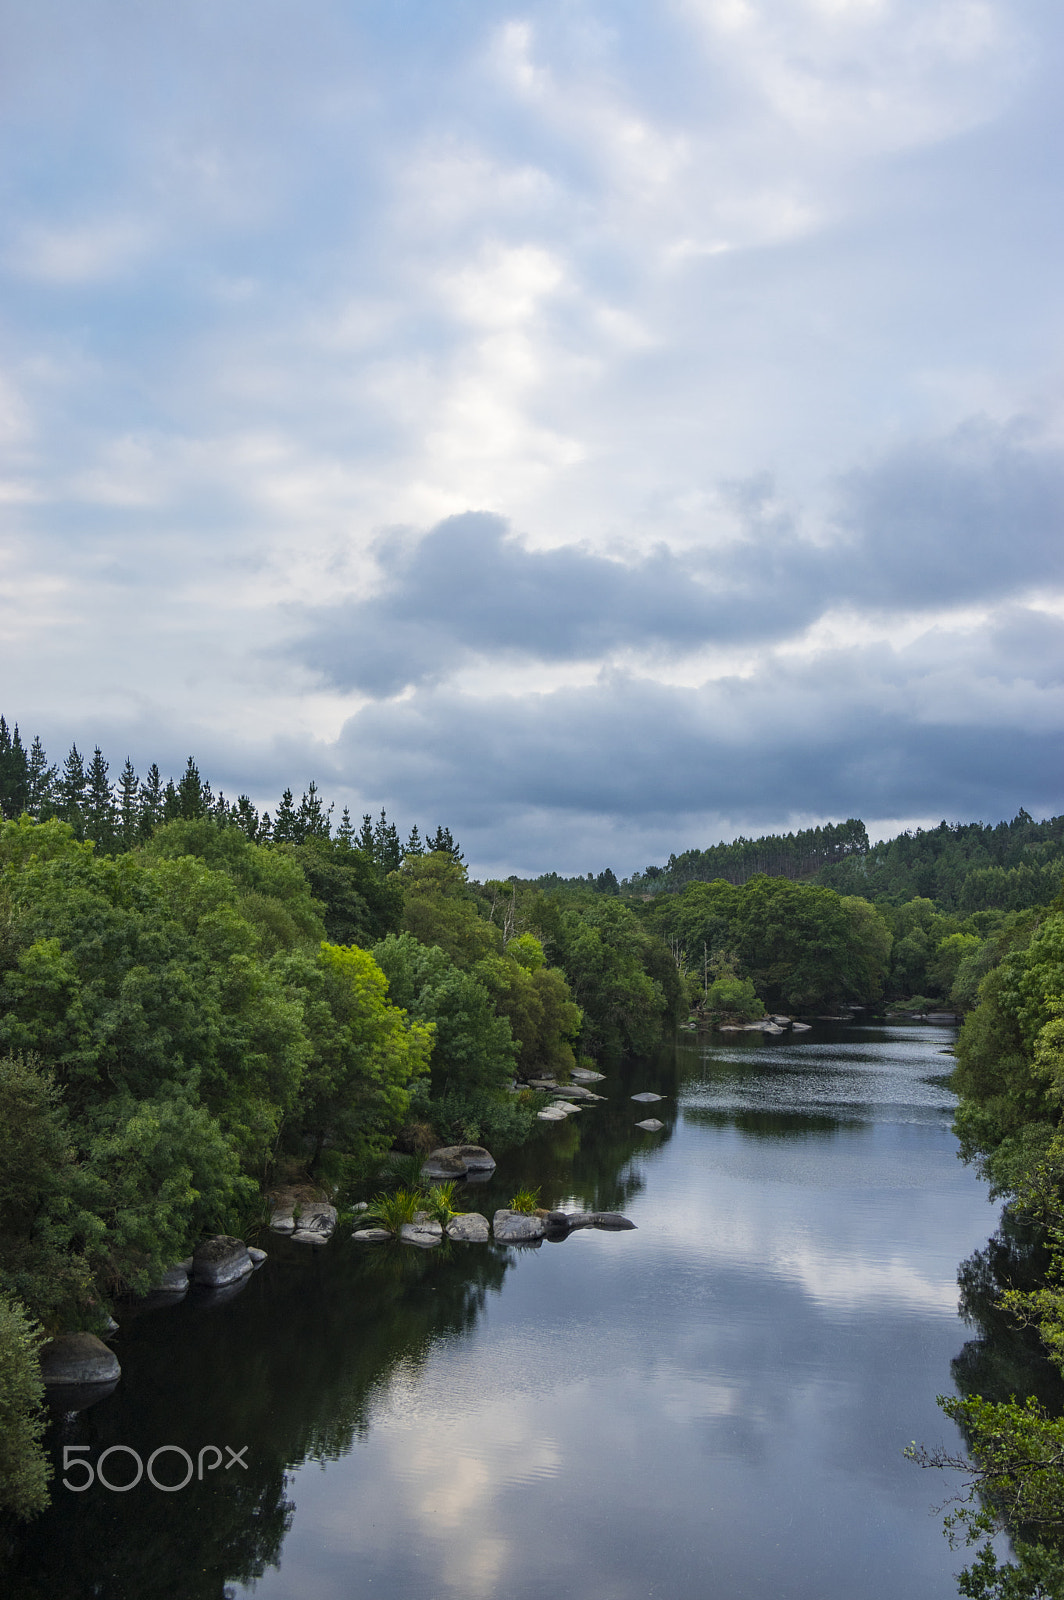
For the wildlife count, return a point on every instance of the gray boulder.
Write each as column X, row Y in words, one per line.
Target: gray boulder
column 585, row 1075
column 257, row 1256
column 801, row 1027
column 282, row 1219
column 174, row 1281
column 219, row 1261
column 78, row 1358
column 470, row 1226
column 424, row 1234
column 316, row 1217
column 371, row 1235
column 456, row 1160
column 647, row 1097
column 513, row 1227
column 651, row 1125
column 552, row 1114
column 309, row 1236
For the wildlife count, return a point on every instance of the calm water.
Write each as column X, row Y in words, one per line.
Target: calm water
column 713, row 1405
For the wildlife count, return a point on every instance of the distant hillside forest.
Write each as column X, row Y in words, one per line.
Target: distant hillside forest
column 962, row 866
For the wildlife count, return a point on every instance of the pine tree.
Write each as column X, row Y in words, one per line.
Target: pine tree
column 191, row 802
column 313, row 819
column 171, row 803
column 151, row 809
column 443, row 842
column 414, row 845
column 14, row 773
column 246, row 818
column 99, row 803
column 345, row 833
column 41, row 784
column 387, row 851
column 127, row 807
column 365, row 835
column 72, row 792
column 286, row 821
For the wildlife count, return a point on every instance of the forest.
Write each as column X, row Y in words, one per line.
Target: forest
column 199, row 999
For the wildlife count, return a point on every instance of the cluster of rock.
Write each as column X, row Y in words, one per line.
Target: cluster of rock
column 307, row 1222
column 507, row 1227
column 570, row 1097
column 79, row 1369
column 770, row 1025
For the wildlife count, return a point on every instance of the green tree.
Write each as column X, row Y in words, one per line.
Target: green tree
column 365, row 1057
column 439, row 908
column 71, row 791
column 474, row 1048
column 24, row 1466
column 41, row 782
column 99, row 803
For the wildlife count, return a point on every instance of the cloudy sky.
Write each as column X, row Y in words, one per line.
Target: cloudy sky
column 603, row 427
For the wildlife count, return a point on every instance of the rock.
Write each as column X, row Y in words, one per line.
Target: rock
column 282, row 1220
column 651, row 1125
column 470, row 1227
column 456, row 1160
column 770, row 1027
column 360, row 1205
column 543, row 1083
column 647, row 1096
column 801, row 1027
column 730, row 1027
column 579, row 1219
column 512, row 1227
column 552, row 1115
column 219, row 1261
column 257, row 1256
column 78, row 1358
column 575, row 1092
column 309, row 1236
column 424, row 1234
column 316, row 1217
column 173, row 1281
column 371, row 1235
column 558, row 1221
column 110, row 1328
column 563, row 1105
column 585, row 1075
column 187, row 1264
column 781, row 1022
column 610, row 1220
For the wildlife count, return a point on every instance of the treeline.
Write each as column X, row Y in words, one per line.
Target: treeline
column 1010, row 1123
column 961, row 867
column 118, row 815
column 791, row 855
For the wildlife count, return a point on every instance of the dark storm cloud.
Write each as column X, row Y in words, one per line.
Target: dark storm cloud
column 873, row 733
column 977, row 516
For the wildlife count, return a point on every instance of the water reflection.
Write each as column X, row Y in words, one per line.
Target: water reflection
column 714, row 1403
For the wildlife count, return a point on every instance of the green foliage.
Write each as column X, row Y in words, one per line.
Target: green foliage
column 525, row 1200
column 439, row 909
column 360, row 904
column 364, row 1053
column 734, row 997
column 472, row 1117
column 24, row 1467
column 473, row 1049
column 438, row 1202
column 393, row 1211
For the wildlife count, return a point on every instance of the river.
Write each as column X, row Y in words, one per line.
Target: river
column 715, row 1404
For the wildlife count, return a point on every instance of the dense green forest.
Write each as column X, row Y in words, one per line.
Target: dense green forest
column 1010, row 1082
column 199, row 1000
column 963, row 867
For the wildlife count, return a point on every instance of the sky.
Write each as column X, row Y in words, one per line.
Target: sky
column 602, row 428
